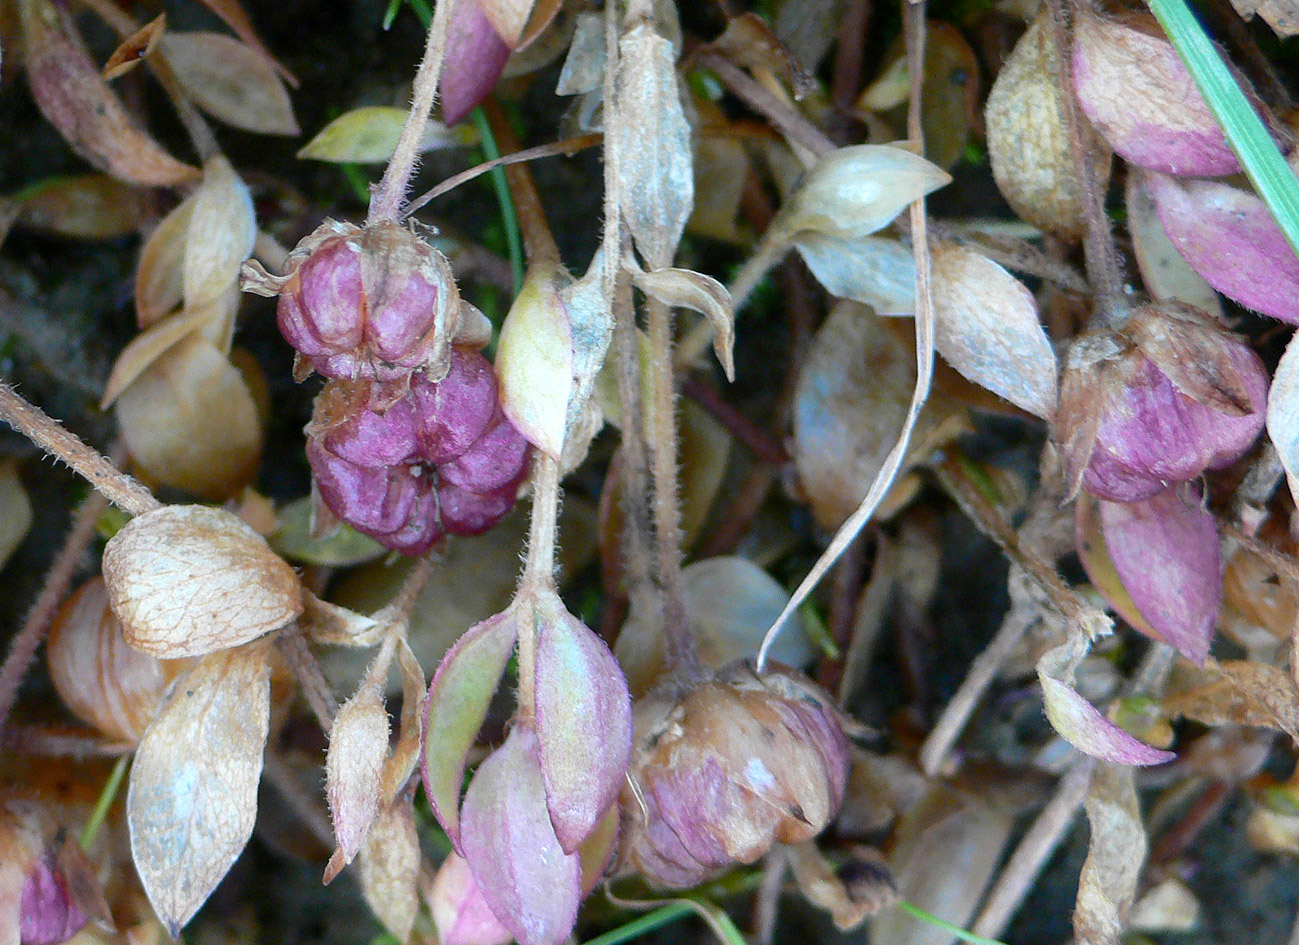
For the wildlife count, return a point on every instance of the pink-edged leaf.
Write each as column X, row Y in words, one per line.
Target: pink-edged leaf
column 1228, row 236
column 1165, row 551
column 530, row 883
column 1078, row 721
column 583, row 723
column 1134, row 88
column 458, row 699
column 475, row 59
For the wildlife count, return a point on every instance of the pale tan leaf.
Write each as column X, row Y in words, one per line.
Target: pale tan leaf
column 135, row 48
column 1283, row 413
column 986, row 326
column 649, row 130
column 584, row 66
column 1169, row 907
column 190, row 421
column 1239, row 692
column 231, row 81
column 685, row 288
column 160, row 276
column 518, row 22
column 15, row 510
column 749, row 42
column 1116, row 853
column 233, row 15
column 398, row 768
column 721, row 166
column 85, row 206
column 331, row 624
column 389, row 868
column 222, row 229
column 146, row 348
column 358, row 746
column 185, row 580
column 873, row 270
column 193, row 791
column 73, row 95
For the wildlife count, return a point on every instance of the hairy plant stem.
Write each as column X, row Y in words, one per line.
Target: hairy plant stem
column 306, row 669
column 390, row 193
column 1103, row 270
column 57, row 581
column 538, row 578
column 32, row 422
column 788, row 120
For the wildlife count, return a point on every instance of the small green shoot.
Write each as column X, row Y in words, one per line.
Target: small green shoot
column 105, row 802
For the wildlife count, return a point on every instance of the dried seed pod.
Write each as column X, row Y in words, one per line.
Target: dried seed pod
column 100, row 677
column 1156, row 402
column 733, row 766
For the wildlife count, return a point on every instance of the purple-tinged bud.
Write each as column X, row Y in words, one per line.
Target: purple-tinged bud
column 376, row 302
column 722, row 773
column 472, row 513
column 460, row 912
column 48, row 888
column 1156, row 402
column 49, row 915
column 474, row 62
column 1136, row 91
column 1166, row 553
column 527, row 879
column 497, row 459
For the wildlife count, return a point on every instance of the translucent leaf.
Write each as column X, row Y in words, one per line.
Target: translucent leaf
column 458, row 700
column 159, row 278
column 987, row 327
column 185, row 580
column 685, row 288
column 193, row 791
column 231, row 81
column 146, row 348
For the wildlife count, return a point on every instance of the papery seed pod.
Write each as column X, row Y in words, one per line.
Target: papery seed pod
column 723, row 772
column 376, row 302
column 1156, row 402
column 99, row 676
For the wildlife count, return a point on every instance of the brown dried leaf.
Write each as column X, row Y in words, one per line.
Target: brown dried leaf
column 190, row 421
column 75, row 98
column 331, row 624
column 160, row 275
column 1115, row 854
column 85, row 206
column 389, row 868
column 135, row 48
column 749, row 42
column 1240, row 692
column 193, row 791
column 405, row 754
column 1281, row 15
column 233, row 15
column 685, row 288
column 986, row 326
column 1028, row 141
column 518, row 22
column 649, row 130
column 850, row 903
column 15, row 510
column 185, row 580
column 231, row 81
column 358, row 746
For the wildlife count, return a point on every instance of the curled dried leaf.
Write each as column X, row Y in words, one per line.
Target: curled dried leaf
column 135, row 47
column 685, row 288
column 185, row 580
column 160, row 276
column 1240, row 692
column 73, row 95
column 1116, row 853
column 405, row 754
column 1283, row 414
column 219, row 237
column 193, row 791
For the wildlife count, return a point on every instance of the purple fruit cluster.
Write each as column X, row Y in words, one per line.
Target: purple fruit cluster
column 407, row 462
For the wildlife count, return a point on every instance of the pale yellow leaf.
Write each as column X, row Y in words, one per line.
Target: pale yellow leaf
column 389, row 868
column 15, row 510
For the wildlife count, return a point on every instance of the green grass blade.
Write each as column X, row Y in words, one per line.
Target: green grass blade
column 955, row 930
column 1275, row 182
column 646, row 923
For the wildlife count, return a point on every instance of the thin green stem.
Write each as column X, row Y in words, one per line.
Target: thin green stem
column 105, row 802
column 647, row 923
column 1245, row 131
column 513, row 240
column 918, row 913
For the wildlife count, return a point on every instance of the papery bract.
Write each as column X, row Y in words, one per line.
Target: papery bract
column 584, row 723
column 1138, row 94
column 358, row 745
column 725, row 771
column 1228, row 236
column 530, row 883
column 1165, row 550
